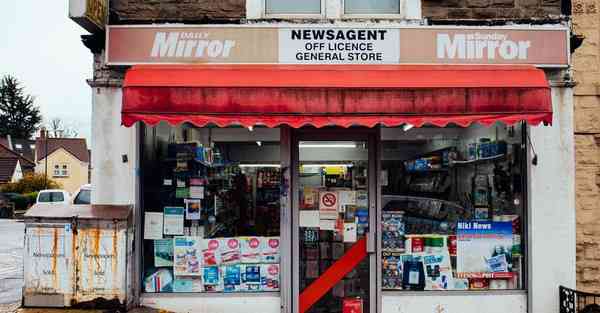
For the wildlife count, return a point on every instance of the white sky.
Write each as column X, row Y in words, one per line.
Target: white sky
column 41, row 47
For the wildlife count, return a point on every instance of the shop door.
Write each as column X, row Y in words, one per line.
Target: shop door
column 334, row 225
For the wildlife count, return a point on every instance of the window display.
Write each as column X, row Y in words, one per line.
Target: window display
column 211, row 202
column 452, row 209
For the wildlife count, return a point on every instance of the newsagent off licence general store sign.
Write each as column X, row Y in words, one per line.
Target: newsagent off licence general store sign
column 129, row 45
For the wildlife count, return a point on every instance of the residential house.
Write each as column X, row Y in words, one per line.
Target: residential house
column 64, row 160
column 13, row 166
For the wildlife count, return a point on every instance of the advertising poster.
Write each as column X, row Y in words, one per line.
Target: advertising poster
column 163, row 253
column 192, row 209
column 438, row 271
column 187, row 256
column 173, row 221
column 153, row 225
column 484, row 247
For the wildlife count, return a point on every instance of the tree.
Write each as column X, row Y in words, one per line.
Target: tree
column 32, row 182
column 58, row 129
column 19, row 117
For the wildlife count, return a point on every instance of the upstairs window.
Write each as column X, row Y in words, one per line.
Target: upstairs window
column 371, row 6
column 61, row 170
column 293, row 7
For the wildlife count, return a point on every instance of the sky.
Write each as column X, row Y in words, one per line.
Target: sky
column 42, row 48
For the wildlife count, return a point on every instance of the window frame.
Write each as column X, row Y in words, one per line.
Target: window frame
column 322, row 14
column 399, row 15
column 60, row 170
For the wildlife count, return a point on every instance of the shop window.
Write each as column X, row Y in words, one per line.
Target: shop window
column 293, row 7
column 453, row 208
column 212, row 205
column 371, row 6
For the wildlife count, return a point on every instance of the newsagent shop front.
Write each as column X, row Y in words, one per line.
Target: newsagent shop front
column 342, row 169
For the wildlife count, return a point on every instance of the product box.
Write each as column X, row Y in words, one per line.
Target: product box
column 392, row 270
column 251, row 277
column 338, row 289
column 232, row 281
column 230, row 251
column 211, row 252
column 188, row 284
column 212, row 279
column 270, row 250
column 337, row 250
column 478, row 284
column 160, row 281
column 352, row 305
column 250, row 249
column 325, row 248
column 312, row 269
column 392, row 231
column 270, row 280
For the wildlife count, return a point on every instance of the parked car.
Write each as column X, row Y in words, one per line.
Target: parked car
column 83, row 195
column 54, row 196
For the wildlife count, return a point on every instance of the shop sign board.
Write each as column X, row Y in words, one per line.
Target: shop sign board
column 89, row 14
column 308, row 44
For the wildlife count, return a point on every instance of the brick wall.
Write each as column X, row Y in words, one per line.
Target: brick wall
column 586, row 66
column 490, row 9
column 190, row 11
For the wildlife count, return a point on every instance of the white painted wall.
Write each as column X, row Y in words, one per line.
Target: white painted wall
column 113, row 181
column 215, row 303
column 455, row 303
column 552, row 207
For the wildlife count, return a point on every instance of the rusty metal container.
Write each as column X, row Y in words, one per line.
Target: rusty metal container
column 76, row 256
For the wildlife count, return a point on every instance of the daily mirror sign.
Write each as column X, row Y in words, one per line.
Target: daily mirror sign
column 129, row 45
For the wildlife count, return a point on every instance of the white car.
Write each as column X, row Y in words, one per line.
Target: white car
column 83, row 195
column 53, row 196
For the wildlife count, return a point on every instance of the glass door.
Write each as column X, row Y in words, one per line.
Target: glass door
column 334, row 211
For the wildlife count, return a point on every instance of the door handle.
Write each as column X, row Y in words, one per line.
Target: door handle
column 370, row 242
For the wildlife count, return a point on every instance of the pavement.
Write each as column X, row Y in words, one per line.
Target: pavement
column 12, row 235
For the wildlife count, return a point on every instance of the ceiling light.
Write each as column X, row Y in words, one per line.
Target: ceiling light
column 259, row 165
column 328, row 145
column 407, row 127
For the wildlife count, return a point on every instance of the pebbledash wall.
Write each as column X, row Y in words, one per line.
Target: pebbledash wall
column 552, row 234
column 586, row 67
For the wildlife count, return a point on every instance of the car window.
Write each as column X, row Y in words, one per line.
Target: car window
column 51, row 197
column 83, row 197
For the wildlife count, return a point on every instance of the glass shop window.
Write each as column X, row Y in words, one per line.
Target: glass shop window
column 211, row 198
column 372, row 6
column 293, row 6
column 453, row 208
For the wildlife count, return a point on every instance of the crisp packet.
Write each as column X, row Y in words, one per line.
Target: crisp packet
column 250, row 248
column 270, row 250
column 230, row 251
column 269, row 277
column 211, row 252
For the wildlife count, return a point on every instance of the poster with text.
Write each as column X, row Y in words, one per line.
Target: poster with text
column 192, row 209
column 188, row 256
column 153, row 225
column 173, row 220
column 163, row 253
column 484, row 247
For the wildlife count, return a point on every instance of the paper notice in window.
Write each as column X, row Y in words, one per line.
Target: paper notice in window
column 309, row 218
column 153, row 225
column 349, row 232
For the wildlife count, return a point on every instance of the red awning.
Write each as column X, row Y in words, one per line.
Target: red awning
column 340, row 95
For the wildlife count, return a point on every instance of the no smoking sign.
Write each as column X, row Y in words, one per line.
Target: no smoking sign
column 328, row 204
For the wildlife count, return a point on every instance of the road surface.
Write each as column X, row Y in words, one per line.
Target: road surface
column 11, row 260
